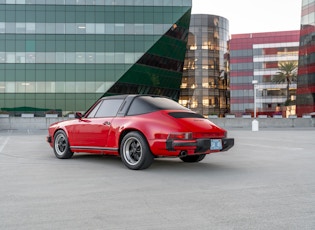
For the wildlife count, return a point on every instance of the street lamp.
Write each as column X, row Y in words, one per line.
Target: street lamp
column 255, row 123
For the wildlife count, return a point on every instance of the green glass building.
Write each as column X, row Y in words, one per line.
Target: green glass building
column 63, row 55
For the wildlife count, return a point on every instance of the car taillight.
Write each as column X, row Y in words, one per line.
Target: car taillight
column 210, row 134
column 180, row 136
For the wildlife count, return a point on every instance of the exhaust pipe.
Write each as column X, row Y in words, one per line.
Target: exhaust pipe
column 183, row 154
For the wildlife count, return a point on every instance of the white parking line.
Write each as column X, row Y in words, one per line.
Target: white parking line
column 2, row 145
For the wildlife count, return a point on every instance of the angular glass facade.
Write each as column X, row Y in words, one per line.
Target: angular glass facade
column 64, row 54
column 204, row 87
column 305, row 97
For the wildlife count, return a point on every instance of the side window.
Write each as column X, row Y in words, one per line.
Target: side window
column 108, row 108
column 93, row 112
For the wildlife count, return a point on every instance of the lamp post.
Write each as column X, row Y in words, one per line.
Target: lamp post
column 255, row 123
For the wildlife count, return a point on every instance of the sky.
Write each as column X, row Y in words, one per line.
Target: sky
column 253, row 16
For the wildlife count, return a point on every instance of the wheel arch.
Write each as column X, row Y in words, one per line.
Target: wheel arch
column 61, row 129
column 126, row 131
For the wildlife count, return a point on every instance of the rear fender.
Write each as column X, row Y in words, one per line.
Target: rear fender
column 125, row 132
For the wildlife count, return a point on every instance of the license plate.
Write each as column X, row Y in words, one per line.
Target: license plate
column 216, row 144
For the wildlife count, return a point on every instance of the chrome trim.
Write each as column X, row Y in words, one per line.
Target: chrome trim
column 94, row 148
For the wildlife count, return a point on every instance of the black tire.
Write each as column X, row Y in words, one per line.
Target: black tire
column 135, row 152
column 61, row 145
column 193, row 158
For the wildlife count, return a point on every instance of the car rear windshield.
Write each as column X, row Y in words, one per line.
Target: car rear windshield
column 185, row 115
column 148, row 104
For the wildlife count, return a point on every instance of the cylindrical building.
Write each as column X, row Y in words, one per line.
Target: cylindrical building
column 205, row 80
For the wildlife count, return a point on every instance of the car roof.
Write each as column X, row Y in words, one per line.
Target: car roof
column 116, row 96
column 123, row 96
column 136, row 104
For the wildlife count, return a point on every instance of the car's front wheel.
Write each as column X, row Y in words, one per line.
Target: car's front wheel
column 135, row 152
column 193, row 158
column 61, row 145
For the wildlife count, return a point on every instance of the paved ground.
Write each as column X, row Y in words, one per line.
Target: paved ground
column 267, row 181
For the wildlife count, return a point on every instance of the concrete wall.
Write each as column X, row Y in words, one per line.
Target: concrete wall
column 43, row 123
column 265, row 122
column 28, row 122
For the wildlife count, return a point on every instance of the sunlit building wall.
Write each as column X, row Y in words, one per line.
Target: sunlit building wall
column 204, row 87
column 257, row 56
column 306, row 74
column 64, row 54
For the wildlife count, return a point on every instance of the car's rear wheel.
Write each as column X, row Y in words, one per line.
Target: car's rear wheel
column 193, row 158
column 135, row 152
column 61, row 145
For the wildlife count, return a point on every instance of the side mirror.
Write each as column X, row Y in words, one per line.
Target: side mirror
column 78, row 115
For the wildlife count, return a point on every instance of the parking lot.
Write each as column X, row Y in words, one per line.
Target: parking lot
column 266, row 181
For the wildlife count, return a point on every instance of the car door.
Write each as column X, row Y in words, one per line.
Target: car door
column 92, row 131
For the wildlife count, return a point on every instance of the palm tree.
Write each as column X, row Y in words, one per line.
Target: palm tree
column 287, row 74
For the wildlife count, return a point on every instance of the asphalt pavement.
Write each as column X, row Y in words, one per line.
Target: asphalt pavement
column 266, row 181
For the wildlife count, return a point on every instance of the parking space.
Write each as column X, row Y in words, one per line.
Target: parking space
column 266, row 181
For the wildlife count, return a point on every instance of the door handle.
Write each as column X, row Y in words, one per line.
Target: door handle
column 106, row 123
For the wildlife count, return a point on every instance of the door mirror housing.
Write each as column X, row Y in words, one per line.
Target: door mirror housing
column 78, row 115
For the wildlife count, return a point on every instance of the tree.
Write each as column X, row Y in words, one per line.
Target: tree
column 287, row 74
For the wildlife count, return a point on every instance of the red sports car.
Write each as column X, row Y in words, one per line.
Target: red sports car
column 138, row 128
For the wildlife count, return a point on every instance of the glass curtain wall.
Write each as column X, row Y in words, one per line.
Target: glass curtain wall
column 205, row 83
column 63, row 55
column 306, row 74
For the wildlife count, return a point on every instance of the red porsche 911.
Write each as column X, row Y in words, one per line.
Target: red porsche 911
column 138, row 128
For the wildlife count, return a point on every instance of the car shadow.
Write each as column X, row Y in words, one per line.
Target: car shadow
column 160, row 164
column 171, row 164
column 96, row 158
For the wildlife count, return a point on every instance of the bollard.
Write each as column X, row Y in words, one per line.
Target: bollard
column 255, row 125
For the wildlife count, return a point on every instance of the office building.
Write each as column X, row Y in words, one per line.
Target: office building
column 257, row 56
column 205, row 84
column 63, row 55
column 306, row 75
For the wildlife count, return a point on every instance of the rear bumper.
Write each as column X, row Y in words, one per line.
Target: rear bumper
column 199, row 145
column 227, row 143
